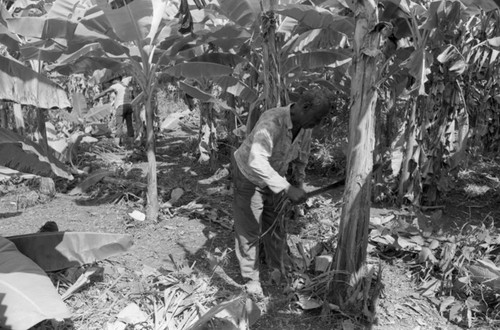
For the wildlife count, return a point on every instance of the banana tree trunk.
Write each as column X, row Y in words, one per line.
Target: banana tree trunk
column 270, row 66
column 271, row 75
column 404, row 181
column 207, row 137
column 153, row 207
column 231, row 123
column 18, row 118
column 42, row 131
column 353, row 232
column 378, row 152
column 3, row 115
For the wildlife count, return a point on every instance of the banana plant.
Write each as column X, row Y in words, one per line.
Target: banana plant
column 26, row 85
column 133, row 37
column 353, row 231
column 437, row 62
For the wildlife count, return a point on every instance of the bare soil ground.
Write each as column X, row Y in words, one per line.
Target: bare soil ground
column 199, row 226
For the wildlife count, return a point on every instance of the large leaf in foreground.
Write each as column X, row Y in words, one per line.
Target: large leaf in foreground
column 59, row 250
column 28, row 87
column 28, row 296
column 26, row 156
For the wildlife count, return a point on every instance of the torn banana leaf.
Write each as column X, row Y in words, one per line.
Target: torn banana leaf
column 54, row 251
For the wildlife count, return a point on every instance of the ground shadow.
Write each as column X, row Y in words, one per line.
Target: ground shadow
column 9, row 214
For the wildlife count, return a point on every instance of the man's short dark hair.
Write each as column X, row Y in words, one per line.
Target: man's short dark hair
column 316, row 96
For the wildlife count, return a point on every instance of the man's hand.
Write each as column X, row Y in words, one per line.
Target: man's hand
column 296, row 195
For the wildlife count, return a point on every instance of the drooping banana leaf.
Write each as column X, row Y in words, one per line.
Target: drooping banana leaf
column 87, row 59
column 317, row 59
column 199, row 70
column 132, row 21
column 29, row 87
column 19, row 153
column 224, row 37
column 237, row 88
column 242, row 12
column 54, row 251
column 44, row 50
column 8, row 38
column 226, row 59
column 42, row 27
column 318, row 18
column 197, row 93
column 27, row 295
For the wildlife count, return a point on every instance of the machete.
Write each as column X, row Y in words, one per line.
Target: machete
column 334, row 185
column 322, row 190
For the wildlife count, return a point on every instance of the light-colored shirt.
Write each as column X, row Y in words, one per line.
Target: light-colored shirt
column 266, row 153
column 123, row 95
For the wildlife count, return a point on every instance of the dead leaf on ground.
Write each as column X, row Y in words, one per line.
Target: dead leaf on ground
column 308, row 303
column 132, row 314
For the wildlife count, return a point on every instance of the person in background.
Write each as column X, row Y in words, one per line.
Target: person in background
column 123, row 108
column 280, row 137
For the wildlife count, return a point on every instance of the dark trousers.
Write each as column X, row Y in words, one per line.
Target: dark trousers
column 124, row 113
column 254, row 212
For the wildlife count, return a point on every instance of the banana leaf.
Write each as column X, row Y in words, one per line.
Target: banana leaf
column 23, row 155
column 9, row 39
column 99, row 112
column 54, row 251
column 243, row 12
column 134, row 20
column 317, row 59
column 91, row 180
column 318, row 18
column 27, row 295
column 199, row 70
column 29, row 87
column 8, row 173
column 237, row 88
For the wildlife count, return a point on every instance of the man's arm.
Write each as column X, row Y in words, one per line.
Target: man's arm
column 260, row 153
column 101, row 94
